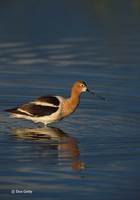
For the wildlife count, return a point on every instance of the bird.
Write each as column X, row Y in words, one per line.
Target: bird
column 49, row 109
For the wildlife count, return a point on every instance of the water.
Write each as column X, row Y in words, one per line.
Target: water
column 44, row 47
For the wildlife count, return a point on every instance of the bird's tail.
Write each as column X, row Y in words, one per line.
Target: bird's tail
column 12, row 110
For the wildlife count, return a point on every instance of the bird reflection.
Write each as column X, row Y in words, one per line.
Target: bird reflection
column 54, row 138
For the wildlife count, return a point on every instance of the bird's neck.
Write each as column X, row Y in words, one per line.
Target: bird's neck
column 70, row 104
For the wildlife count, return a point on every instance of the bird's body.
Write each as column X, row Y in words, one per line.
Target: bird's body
column 48, row 109
column 45, row 111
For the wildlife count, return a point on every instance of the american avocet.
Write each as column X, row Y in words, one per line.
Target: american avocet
column 48, row 109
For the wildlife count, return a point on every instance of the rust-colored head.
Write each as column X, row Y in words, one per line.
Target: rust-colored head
column 79, row 87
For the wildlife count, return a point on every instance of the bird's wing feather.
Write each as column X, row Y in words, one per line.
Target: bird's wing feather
column 44, row 105
column 37, row 110
column 48, row 101
column 33, row 110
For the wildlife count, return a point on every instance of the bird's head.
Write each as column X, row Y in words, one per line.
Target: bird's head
column 80, row 87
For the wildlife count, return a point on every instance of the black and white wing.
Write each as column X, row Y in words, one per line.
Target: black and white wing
column 43, row 106
column 48, row 100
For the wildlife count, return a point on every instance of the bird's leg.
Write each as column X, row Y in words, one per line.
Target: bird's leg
column 45, row 125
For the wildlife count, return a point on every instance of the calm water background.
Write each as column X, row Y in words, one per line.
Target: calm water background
column 44, row 47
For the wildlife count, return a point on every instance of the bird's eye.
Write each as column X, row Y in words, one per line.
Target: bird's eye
column 82, row 85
